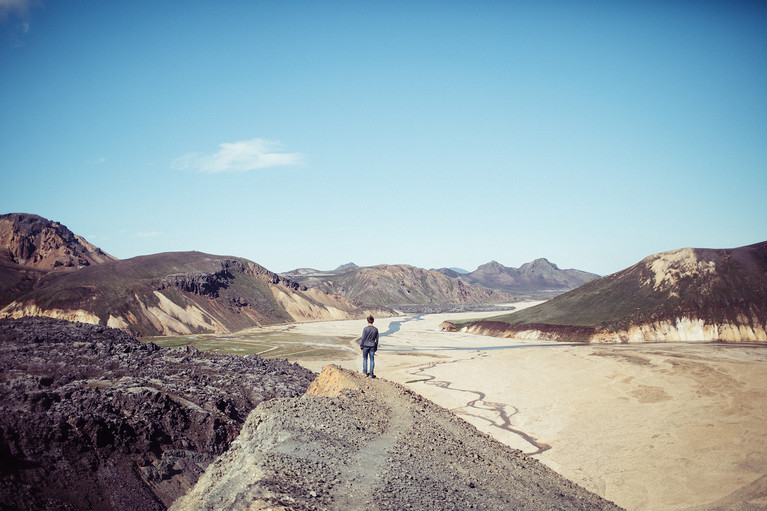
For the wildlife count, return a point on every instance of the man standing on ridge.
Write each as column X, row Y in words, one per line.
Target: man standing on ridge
column 369, row 345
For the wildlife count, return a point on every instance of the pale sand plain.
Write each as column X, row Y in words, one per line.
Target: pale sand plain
column 648, row 426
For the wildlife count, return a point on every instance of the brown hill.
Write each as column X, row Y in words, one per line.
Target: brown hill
column 354, row 443
column 395, row 285
column 46, row 270
column 178, row 293
column 688, row 294
column 537, row 279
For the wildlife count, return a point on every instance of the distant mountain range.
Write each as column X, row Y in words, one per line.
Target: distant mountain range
column 536, row 279
column 396, row 285
column 687, row 294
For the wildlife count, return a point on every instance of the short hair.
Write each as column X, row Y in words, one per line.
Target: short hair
column 370, row 318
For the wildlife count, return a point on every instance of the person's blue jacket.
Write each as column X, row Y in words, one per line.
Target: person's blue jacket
column 369, row 338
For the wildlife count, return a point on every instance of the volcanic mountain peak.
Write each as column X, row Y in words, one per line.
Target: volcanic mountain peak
column 492, row 266
column 538, row 264
column 34, row 242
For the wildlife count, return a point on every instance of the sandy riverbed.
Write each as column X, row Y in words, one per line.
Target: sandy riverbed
column 651, row 426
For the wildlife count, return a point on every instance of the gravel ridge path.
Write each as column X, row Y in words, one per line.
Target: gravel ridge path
column 353, row 442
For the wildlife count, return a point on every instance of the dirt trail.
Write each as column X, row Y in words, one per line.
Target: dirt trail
column 358, row 443
column 362, row 473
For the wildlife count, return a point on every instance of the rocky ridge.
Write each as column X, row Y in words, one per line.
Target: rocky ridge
column 354, row 443
column 93, row 419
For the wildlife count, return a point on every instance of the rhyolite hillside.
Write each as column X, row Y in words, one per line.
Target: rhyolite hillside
column 688, row 294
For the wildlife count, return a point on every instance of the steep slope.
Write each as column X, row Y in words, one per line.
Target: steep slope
column 687, row 294
column 177, row 293
column 31, row 246
column 539, row 278
column 393, row 285
column 355, row 443
column 34, row 242
column 93, row 419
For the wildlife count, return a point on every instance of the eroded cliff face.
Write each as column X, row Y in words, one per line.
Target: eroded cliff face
column 357, row 443
column 680, row 330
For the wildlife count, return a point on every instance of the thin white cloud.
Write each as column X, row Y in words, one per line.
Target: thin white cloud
column 242, row 156
column 16, row 19
column 19, row 8
column 150, row 234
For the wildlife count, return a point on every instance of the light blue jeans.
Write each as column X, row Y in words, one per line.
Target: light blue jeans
column 368, row 352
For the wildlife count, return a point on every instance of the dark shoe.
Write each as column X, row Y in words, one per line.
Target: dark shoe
column 372, row 376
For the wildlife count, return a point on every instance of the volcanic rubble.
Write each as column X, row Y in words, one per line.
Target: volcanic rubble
column 91, row 418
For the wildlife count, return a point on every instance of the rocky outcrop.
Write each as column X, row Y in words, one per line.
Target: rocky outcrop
column 201, row 284
column 93, row 419
column 357, row 443
column 681, row 295
column 34, row 242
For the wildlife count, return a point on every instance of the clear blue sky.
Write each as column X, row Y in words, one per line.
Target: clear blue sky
column 452, row 133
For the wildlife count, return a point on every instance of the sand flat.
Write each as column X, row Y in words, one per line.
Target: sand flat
column 648, row 426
